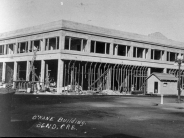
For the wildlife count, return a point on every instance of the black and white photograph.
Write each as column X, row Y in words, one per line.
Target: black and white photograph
column 92, row 68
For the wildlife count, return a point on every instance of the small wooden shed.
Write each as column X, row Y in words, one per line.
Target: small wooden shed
column 162, row 83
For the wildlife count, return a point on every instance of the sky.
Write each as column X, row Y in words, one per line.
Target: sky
column 134, row 16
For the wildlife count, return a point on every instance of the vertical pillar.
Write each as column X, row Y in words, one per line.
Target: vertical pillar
column 14, row 48
column 108, row 80
column 144, row 53
column 153, row 54
column 29, row 46
column 105, row 48
column 27, row 70
column 42, row 71
column 131, row 51
column 7, row 49
column 165, row 70
column 88, row 46
column 15, row 74
column 148, row 54
column 5, row 46
column 111, row 49
column 164, row 55
column 4, row 72
column 116, row 50
column 62, row 41
column 136, row 52
column 60, row 75
column 42, row 44
column 160, row 55
column 70, row 39
column 18, row 49
column 149, row 72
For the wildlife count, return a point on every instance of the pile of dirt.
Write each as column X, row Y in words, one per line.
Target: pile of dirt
column 110, row 92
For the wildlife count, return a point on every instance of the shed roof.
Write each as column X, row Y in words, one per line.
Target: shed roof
column 164, row 76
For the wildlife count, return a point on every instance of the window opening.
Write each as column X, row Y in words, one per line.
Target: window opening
column 9, row 48
column 1, row 49
column 139, row 52
column 36, row 44
column 52, row 43
column 22, row 47
column 100, row 47
column 74, row 43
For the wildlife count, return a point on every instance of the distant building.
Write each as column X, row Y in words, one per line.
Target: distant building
column 72, row 54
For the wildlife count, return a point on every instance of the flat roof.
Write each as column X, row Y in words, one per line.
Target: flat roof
column 156, row 39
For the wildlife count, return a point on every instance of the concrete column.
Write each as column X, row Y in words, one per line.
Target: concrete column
column 144, row 53
column 5, row 46
column 164, row 56
column 15, row 48
column 149, row 72
column 15, row 73
column 149, row 54
column 43, row 44
column 116, row 50
column 29, row 46
column 42, row 71
column 62, row 42
column 60, row 75
column 27, row 70
column 111, row 49
column 153, row 54
column 136, row 52
column 88, row 45
column 131, row 51
column 4, row 72
column 165, row 70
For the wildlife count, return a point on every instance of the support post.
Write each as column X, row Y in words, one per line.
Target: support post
column 15, row 48
column 29, row 46
column 62, row 42
column 4, row 72
column 165, row 70
column 131, row 51
column 149, row 54
column 179, row 91
column 60, row 76
column 42, row 72
column 88, row 45
column 42, row 45
column 5, row 47
column 15, row 74
column 27, row 71
column 111, row 49
column 149, row 72
column 161, row 99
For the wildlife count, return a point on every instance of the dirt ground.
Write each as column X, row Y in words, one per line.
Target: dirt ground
column 94, row 116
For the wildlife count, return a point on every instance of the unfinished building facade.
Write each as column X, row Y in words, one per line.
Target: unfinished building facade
column 76, row 56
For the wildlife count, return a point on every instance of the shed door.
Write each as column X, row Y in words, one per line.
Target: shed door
column 155, row 87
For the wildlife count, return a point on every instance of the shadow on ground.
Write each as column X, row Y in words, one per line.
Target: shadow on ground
column 120, row 136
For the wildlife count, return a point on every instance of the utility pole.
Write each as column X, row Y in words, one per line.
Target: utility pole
column 179, row 60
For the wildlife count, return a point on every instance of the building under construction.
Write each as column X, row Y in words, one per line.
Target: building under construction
column 69, row 56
